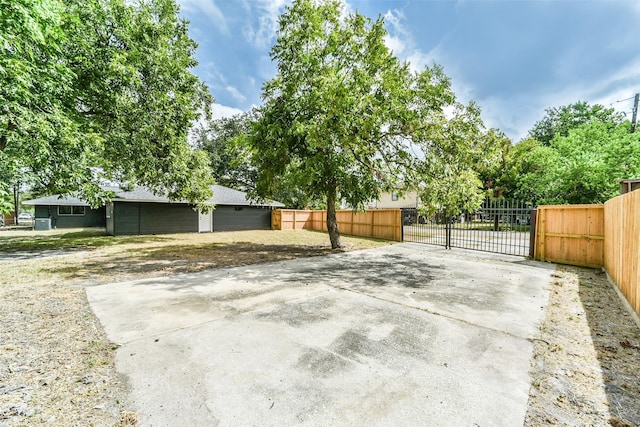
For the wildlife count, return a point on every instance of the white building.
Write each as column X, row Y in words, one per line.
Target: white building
column 393, row 200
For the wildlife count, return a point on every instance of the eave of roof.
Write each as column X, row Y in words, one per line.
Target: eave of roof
column 221, row 196
column 56, row 201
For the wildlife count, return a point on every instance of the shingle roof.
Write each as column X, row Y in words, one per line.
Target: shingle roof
column 56, row 200
column 221, row 196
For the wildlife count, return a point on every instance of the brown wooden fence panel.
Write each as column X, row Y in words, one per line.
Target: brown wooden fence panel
column 276, row 219
column 622, row 245
column 570, row 234
column 378, row 223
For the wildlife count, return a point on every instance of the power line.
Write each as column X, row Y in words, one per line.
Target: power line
column 622, row 100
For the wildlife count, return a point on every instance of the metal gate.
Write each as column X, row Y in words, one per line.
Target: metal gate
column 501, row 226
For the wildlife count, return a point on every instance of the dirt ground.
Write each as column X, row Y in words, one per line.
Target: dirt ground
column 57, row 367
column 586, row 364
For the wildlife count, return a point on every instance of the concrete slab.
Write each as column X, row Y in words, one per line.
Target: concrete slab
column 400, row 335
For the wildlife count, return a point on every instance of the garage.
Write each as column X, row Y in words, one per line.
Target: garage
column 141, row 212
column 236, row 218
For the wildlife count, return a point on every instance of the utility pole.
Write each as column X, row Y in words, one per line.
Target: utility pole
column 635, row 112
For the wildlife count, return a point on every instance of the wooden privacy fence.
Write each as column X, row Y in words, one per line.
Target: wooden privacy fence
column 622, row 244
column 595, row 236
column 378, row 223
column 570, row 234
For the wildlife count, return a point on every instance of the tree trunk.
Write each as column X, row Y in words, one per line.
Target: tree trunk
column 332, row 222
column 16, row 204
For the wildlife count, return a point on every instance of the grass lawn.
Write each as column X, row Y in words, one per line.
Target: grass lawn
column 93, row 256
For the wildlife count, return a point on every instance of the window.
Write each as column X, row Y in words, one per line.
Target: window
column 394, row 196
column 71, row 210
column 237, row 208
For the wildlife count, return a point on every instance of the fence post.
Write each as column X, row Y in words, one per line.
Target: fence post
column 541, row 224
column 352, row 222
column 532, row 234
column 373, row 216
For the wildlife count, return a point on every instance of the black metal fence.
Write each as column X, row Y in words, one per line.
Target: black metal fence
column 501, row 226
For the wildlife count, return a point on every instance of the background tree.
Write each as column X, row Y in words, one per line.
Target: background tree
column 342, row 110
column 558, row 121
column 491, row 166
column 583, row 167
column 230, row 159
column 455, row 155
column 101, row 89
column 225, row 140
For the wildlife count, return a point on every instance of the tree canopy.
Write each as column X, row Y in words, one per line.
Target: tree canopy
column 100, row 90
column 558, row 121
column 342, row 113
column 230, row 159
column 225, row 140
column 585, row 166
column 456, row 156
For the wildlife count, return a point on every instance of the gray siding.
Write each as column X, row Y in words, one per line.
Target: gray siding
column 91, row 218
column 153, row 218
column 236, row 218
column 126, row 218
column 159, row 218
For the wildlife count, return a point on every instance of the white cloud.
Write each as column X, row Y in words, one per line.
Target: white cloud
column 212, row 73
column 395, row 44
column 517, row 114
column 219, row 111
column 397, row 37
column 235, row 93
column 210, row 9
column 619, row 85
column 269, row 11
column 401, row 42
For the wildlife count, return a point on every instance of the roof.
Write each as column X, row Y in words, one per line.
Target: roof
column 221, row 196
column 56, row 200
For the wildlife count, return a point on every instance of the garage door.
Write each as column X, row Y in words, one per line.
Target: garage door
column 235, row 218
column 127, row 218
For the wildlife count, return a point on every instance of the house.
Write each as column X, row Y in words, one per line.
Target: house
column 393, row 200
column 408, row 203
column 628, row 185
column 139, row 211
column 65, row 212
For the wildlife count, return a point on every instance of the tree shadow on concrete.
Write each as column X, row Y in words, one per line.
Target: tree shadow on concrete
column 174, row 259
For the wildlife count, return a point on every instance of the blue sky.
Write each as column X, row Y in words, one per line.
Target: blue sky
column 514, row 58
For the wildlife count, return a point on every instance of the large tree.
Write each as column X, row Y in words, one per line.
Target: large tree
column 455, row 157
column 226, row 142
column 342, row 112
column 101, row 90
column 583, row 167
column 230, row 159
column 558, row 121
